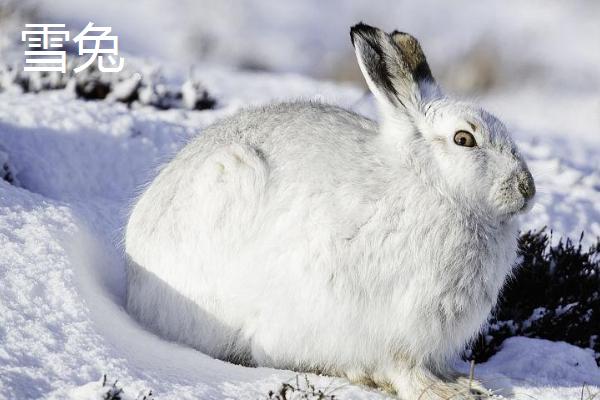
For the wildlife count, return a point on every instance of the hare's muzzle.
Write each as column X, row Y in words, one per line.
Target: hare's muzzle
column 526, row 185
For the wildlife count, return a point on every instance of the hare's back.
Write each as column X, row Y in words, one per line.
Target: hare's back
column 304, row 135
column 301, row 156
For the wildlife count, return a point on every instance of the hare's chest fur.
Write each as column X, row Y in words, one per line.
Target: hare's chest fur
column 432, row 284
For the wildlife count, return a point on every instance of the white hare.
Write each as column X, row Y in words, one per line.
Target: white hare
column 304, row 236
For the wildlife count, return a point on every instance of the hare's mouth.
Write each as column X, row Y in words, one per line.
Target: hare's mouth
column 527, row 205
column 510, row 212
column 512, row 200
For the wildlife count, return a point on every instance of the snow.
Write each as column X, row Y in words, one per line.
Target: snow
column 551, row 370
column 80, row 164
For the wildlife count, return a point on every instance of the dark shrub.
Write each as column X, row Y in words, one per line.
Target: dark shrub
column 554, row 294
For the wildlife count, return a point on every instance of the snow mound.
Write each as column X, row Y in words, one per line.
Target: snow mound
column 540, row 369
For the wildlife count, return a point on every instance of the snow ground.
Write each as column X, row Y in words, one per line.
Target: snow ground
column 62, row 323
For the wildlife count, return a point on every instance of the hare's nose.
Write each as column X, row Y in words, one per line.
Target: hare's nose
column 526, row 184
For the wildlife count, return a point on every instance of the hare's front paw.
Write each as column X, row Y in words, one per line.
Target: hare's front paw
column 474, row 386
column 421, row 384
column 466, row 381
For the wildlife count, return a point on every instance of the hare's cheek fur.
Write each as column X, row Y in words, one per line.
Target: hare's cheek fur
column 513, row 189
column 288, row 236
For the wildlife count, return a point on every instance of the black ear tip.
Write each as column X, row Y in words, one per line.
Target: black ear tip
column 361, row 29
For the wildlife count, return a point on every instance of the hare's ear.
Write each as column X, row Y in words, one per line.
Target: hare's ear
column 394, row 66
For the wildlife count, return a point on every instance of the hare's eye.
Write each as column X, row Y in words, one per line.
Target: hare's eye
column 464, row 138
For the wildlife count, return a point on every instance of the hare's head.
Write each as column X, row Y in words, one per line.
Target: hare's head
column 461, row 150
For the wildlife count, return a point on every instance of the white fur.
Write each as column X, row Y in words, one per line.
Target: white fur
column 301, row 236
